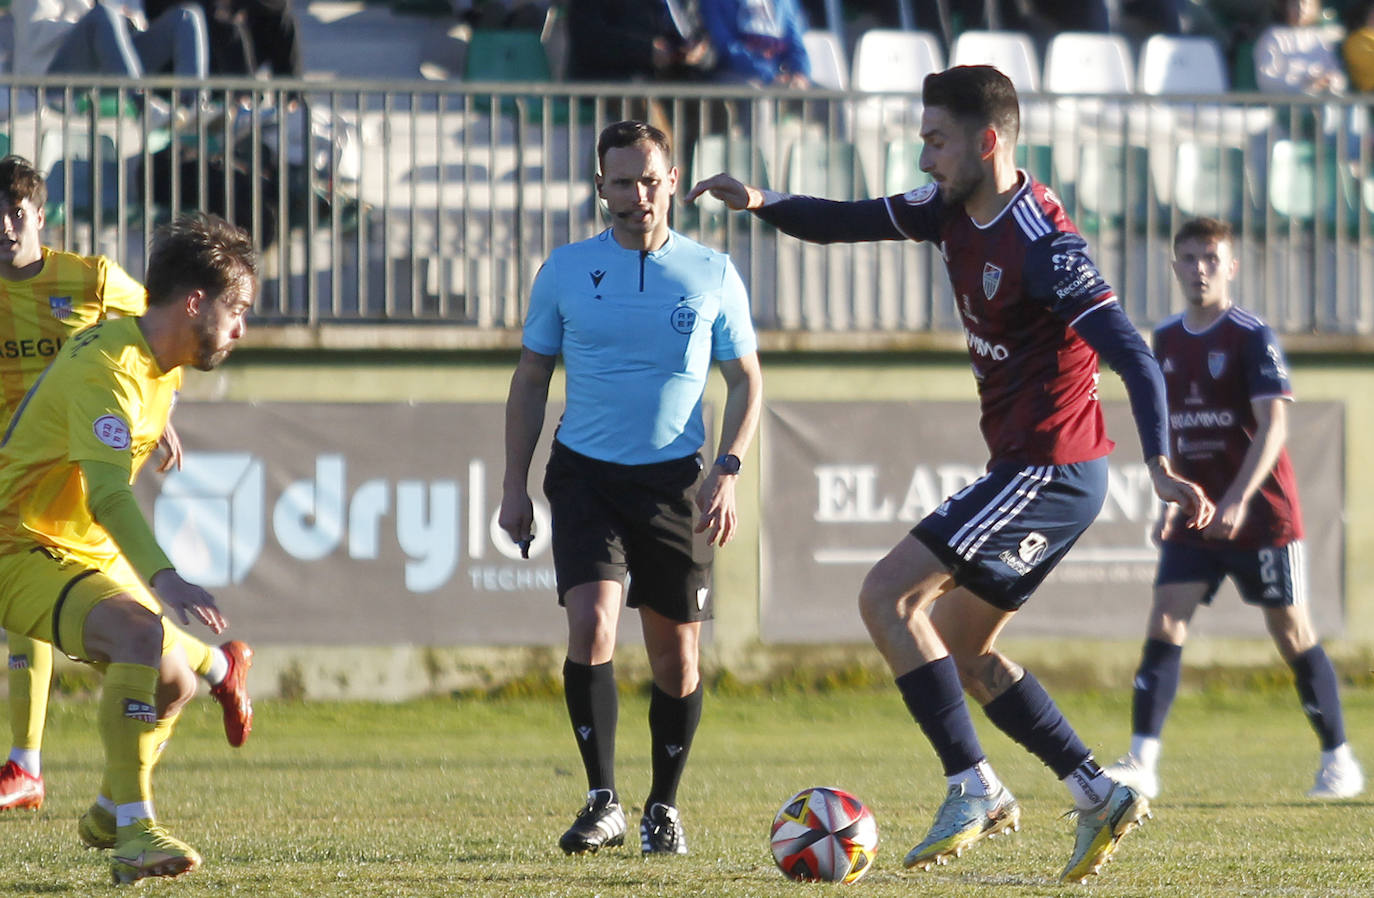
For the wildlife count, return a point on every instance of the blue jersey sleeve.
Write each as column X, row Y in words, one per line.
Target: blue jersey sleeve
column 732, row 335
column 1060, row 275
column 1110, row 333
column 830, row 221
column 1267, row 371
column 544, row 321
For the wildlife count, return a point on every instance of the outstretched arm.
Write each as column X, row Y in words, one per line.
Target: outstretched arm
column 807, row 217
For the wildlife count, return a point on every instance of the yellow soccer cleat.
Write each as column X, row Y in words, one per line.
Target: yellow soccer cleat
column 97, row 828
column 1101, row 828
column 146, row 849
column 963, row 820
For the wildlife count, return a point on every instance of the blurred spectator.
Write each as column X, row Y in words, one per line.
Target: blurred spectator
column 524, row 15
column 620, row 40
column 67, row 36
column 1359, row 46
column 758, row 41
column 1299, row 53
column 245, row 35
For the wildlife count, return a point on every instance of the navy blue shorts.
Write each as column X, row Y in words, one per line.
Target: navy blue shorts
column 1273, row 577
column 1002, row 534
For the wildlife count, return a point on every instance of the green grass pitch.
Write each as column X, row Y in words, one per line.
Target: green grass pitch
column 455, row 797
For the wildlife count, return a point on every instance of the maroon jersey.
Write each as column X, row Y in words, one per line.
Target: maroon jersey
column 1021, row 282
column 1212, row 378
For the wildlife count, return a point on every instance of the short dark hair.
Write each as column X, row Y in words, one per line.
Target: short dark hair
column 20, row 181
column 627, row 134
column 1205, row 229
column 978, row 95
column 198, row 251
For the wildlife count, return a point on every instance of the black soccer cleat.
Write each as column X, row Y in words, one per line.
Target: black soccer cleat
column 600, row 824
column 660, row 830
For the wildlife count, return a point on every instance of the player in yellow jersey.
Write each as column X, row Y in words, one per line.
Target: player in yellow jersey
column 45, row 296
column 68, row 458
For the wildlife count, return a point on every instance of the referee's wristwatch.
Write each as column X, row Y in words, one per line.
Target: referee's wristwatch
column 728, row 464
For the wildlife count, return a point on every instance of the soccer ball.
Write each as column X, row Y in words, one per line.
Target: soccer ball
column 824, row 835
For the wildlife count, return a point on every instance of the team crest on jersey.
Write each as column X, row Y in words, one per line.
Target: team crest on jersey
column 684, row 319
column 921, row 194
column 60, row 306
column 1216, row 363
column 992, row 277
column 112, row 431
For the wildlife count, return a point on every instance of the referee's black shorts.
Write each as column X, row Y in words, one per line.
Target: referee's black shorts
column 611, row 519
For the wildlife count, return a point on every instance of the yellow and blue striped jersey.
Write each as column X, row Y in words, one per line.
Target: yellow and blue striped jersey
column 103, row 399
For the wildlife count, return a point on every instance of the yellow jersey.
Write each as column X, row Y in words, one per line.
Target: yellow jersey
column 38, row 314
column 103, row 399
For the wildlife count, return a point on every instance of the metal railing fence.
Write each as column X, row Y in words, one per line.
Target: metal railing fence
column 435, row 203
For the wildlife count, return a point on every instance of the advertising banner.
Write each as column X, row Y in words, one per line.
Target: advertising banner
column 843, row 482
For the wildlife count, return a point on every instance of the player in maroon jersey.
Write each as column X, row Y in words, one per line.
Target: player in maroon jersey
column 1036, row 315
column 1228, row 395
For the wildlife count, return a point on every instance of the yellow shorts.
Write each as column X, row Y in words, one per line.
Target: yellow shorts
column 47, row 596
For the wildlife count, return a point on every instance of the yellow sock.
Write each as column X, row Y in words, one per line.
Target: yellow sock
column 128, row 726
column 197, row 652
column 30, row 677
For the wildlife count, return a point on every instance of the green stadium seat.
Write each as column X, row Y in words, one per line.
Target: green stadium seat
column 902, row 167
column 826, row 168
column 1209, row 181
column 713, row 153
column 1305, row 189
column 1112, row 186
column 511, row 55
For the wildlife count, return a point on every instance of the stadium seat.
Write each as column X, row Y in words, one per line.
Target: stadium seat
column 499, row 55
column 902, row 167
column 1181, row 65
column 828, row 69
column 1010, row 51
column 1304, row 188
column 73, row 164
column 1078, row 62
column 826, row 168
column 1112, row 186
column 1209, row 180
column 890, row 61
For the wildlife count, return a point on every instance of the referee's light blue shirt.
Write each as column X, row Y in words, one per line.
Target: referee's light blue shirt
column 637, row 332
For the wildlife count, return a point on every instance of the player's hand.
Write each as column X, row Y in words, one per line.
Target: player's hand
column 517, row 518
column 731, row 191
column 1226, row 523
column 183, row 597
column 170, row 445
column 716, row 502
column 1192, row 502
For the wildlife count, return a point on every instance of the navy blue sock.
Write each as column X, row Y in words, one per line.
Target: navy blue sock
column 1027, row 714
column 672, row 724
column 593, row 707
column 934, row 697
column 1321, row 699
column 1156, row 685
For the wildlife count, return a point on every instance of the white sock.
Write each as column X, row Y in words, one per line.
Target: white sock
column 31, row 759
column 1088, row 788
column 1341, row 754
column 980, row 779
column 105, row 802
column 1145, row 749
column 219, row 667
column 132, row 812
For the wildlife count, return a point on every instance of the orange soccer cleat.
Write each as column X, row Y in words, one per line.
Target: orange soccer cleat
column 232, row 693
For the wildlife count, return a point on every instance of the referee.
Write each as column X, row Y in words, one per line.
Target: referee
column 638, row 313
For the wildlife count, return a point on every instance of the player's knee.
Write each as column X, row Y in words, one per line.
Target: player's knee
column 122, row 631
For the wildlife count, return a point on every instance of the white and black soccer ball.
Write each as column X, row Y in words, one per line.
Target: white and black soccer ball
column 823, row 834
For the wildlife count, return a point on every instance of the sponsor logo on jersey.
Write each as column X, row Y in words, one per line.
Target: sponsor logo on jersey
column 921, row 194
column 596, row 277
column 967, row 306
column 140, row 711
column 60, row 306
column 1216, row 363
column 992, row 278
column 112, row 431
column 1207, row 417
column 995, row 351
